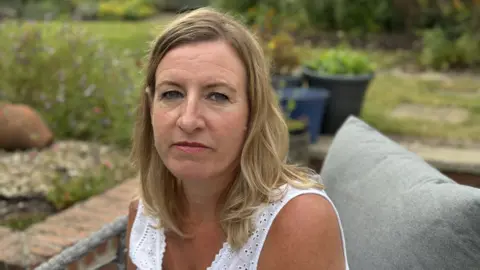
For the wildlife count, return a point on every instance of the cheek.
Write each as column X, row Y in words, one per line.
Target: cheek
column 161, row 119
column 232, row 128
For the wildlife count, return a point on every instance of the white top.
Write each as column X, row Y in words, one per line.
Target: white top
column 148, row 244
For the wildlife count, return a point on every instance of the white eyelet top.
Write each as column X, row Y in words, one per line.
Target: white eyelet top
column 148, row 244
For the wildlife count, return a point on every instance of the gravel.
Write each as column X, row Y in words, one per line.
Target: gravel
column 30, row 173
column 26, row 176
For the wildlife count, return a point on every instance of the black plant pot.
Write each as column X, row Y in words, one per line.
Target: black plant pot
column 286, row 81
column 298, row 147
column 347, row 94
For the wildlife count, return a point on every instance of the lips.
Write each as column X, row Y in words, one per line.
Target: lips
column 191, row 144
column 190, row 147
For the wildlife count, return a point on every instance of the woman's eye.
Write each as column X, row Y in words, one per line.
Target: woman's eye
column 219, row 97
column 171, row 95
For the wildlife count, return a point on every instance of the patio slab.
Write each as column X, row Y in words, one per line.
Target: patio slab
column 444, row 158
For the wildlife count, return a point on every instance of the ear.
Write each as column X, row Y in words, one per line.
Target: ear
column 148, row 93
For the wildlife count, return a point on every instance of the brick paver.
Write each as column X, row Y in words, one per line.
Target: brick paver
column 48, row 238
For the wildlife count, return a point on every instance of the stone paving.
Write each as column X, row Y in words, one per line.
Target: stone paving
column 450, row 115
column 447, row 158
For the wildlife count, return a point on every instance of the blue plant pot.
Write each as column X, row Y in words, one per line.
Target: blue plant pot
column 286, row 81
column 310, row 105
column 347, row 94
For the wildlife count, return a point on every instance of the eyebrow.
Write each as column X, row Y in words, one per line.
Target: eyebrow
column 208, row 86
column 221, row 84
column 166, row 82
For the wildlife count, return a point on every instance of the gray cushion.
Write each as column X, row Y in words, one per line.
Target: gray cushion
column 397, row 211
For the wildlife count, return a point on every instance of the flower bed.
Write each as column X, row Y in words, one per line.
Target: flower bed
column 35, row 184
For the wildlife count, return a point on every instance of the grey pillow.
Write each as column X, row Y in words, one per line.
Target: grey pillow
column 397, row 211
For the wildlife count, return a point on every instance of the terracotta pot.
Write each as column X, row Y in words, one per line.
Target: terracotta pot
column 21, row 128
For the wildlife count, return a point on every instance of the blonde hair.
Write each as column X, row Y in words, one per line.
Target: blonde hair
column 263, row 165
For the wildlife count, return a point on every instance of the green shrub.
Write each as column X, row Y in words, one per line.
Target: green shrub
column 239, row 7
column 353, row 15
column 39, row 9
column 66, row 190
column 287, row 13
column 443, row 52
column 341, row 61
column 454, row 41
column 83, row 9
column 80, row 88
column 22, row 221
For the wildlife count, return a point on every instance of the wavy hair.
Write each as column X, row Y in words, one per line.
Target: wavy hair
column 263, row 161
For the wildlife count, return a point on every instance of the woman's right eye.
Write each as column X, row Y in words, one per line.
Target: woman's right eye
column 171, row 94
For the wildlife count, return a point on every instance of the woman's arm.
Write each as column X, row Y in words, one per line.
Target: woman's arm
column 304, row 235
column 132, row 213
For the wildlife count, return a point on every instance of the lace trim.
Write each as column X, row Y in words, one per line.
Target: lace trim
column 150, row 244
column 225, row 251
column 147, row 242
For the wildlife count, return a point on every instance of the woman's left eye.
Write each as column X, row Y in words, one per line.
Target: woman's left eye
column 219, row 97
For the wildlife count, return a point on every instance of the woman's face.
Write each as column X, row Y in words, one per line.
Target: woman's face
column 200, row 110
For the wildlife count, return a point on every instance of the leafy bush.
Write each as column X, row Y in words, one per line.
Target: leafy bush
column 281, row 52
column 67, row 190
column 39, row 10
column 351, row 15
column 262, row 13
column 441, row 52
column 21, row 222
column 239, row 7
column 454, row 41
column 83, row 9
column 341, row 61
column 81, row 89
column 273, row 31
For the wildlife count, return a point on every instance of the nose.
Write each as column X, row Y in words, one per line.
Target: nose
column 190, row 119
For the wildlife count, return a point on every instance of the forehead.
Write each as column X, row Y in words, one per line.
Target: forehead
column 203, row 60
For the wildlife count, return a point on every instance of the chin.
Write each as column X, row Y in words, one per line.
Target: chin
column 188, row 170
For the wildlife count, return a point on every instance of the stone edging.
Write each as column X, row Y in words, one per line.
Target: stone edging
column 443, row 158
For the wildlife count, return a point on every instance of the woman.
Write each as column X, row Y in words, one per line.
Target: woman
column 211, row 146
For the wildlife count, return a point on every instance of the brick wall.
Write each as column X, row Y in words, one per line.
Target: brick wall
column 102, row 257
column 28, row 249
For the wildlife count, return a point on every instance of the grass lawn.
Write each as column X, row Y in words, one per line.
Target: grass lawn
column 134, row 36
column 385, row 93
column 388, row 90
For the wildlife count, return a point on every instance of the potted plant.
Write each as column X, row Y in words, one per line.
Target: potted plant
column 299, row 140
column 273, row 32
column 306, row 105
column 285, row 61
column 346, row 74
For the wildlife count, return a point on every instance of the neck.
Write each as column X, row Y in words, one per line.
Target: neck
column 203, row 198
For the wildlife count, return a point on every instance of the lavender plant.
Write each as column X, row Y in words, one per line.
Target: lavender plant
column 82, row 89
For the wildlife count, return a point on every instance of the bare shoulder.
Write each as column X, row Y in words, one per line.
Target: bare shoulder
column 304, row 235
